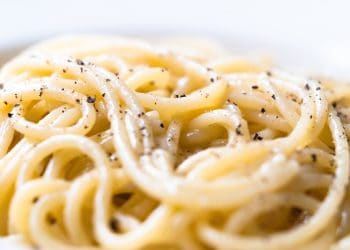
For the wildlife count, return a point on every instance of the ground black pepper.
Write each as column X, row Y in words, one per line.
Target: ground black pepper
column 80, row 62
column 314, row 157
column 91, row 99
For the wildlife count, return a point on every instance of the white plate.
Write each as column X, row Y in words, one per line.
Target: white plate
column 311, row 34
column 325, row 60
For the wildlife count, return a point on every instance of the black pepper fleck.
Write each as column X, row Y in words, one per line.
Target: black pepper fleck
column 238, row 129
column 114, row 225
column 91, row 99
column 80, row 62
column 314, row 157
column 257, row 137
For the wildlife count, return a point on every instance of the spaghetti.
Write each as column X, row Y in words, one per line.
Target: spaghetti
column 113, row 143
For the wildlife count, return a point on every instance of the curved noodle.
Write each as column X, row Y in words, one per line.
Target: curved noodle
column 113, row 143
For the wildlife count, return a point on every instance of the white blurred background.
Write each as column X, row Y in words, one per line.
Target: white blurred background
column 313, row 34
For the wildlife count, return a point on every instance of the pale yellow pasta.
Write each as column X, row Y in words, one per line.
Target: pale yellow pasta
column 114, row 143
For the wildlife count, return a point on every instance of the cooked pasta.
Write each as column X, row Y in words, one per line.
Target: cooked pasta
column 116, row 143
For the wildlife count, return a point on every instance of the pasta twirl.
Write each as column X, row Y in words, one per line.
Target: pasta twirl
column 114, row 143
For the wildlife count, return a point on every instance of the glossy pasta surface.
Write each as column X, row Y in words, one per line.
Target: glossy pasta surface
column 117, row 143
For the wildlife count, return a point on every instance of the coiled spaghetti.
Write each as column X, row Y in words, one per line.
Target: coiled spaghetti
column 113, row 143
